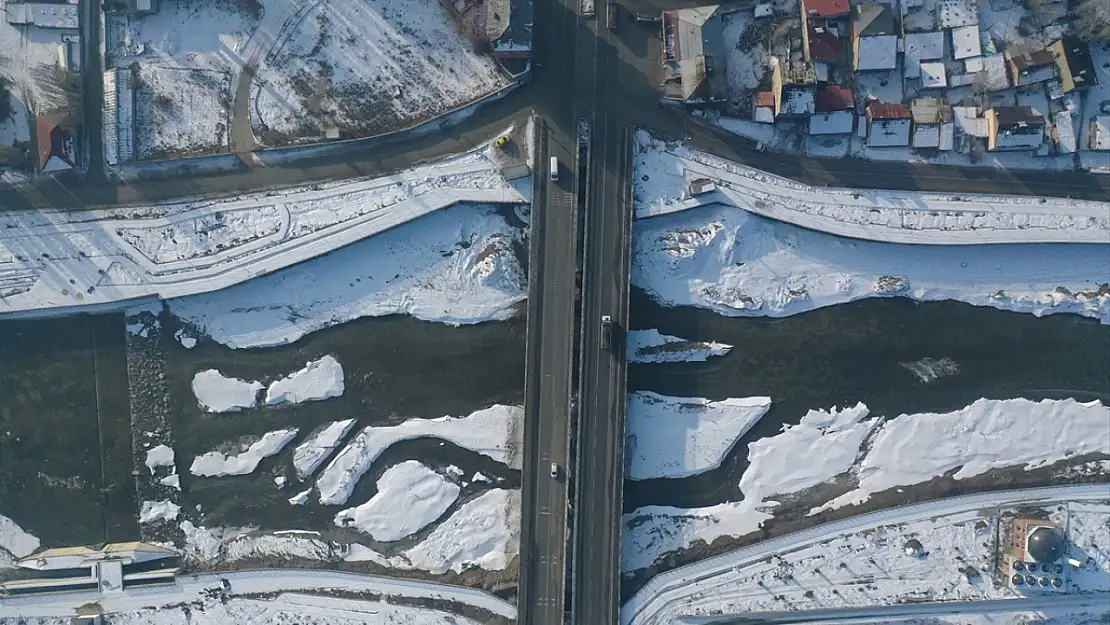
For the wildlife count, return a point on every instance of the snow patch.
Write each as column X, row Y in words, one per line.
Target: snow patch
column 216, row 393
column 988, row 434
column 155, row 511
column 319, row 379
column 160, row 456
column 14, row 541
column 409, row 497
column 670, row 437
column 653, row 346
column 309, row 454
column 216, row 464
column 483, row 533
column 173, row 481
column 492, row 432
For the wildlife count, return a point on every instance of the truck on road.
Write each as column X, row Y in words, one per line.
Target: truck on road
column 606, row 332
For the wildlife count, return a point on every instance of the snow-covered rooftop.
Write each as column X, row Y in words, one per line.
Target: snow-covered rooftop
column 919, row 47
column 834, row 123
column 877, row 53
column 1100, row 137
column 965, row 42
column 884, row 133
column 926, row 136
column 933, row 75
column 1064, row 133
column 956, row 13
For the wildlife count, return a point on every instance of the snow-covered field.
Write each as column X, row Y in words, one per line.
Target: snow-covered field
column 456, row 266
column 246, row 458
column 665, row 171
column 863, row 561
column 735, row 263
column 493, row 432
column 107, row 257
column 189, row 56
column 409, row 497
column 181, row 111
column 652, row 346
column 681, row 436
column 365, row 67
column 1007, row 433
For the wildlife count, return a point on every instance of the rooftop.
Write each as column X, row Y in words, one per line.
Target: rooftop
column 1074, row 62
column 887, row 110
column 965, row 42
column 1016, row 116
column 826, row 8
column 834, row 98
column 870, row 19
column 825, row 46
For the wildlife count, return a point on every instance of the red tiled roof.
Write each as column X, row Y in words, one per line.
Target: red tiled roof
column 825, row 47
column 834, row 98
column 885, row 110
column 826, row 8
column 44, row 128
column 763, row 98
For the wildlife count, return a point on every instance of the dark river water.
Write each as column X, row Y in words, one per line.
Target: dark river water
column 850, row 353
column 64, row 427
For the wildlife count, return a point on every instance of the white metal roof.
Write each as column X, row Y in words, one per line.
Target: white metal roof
column 932, row 75
column 965, row 42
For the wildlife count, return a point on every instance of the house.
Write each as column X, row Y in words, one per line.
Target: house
column 888, row 125
column 992, row 69
column 510, row 35
column 1031, row 68
column 764, row 107
column 874, row 40
column 1073, row 64
column 821, row 18
column 968, row 122
column 55, row 143
column 965, row 42
column 693, row 54
column 1100, row 133
column 834, row 111
column 932, row 122
column 133, row 7
column 825, row 49
column 933, row 75
column 918, row 47
column 957, row 13
column 43, row 15
column 1014, row 128
column 1063, row 133
column 796, row 86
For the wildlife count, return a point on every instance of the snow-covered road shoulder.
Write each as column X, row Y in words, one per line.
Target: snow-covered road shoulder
column 62, row 260
column 665, row 171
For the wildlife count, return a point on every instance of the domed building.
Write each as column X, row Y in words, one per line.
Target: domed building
column 1045, row 544
column 1034, row 546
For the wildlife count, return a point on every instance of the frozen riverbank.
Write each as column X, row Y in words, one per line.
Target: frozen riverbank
column 735, row 263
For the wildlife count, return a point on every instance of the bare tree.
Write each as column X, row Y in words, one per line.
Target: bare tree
column 1093, row 20
column 61, row 92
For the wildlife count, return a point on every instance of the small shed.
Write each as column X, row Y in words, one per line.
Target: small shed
column 933, row 76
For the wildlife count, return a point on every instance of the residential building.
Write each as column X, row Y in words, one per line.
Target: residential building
column 134, row 7
column 693, row 54
column 932, row 123
column 1063, row 133
column 874, row 40
column 968, row 122
column 834, row 112
column 888, row 124
column 933, row 75
column 992, row 69
column 1100, row 133
column 965, row 42
column 796, row 87
column 957, row 13
column 1073, row 64
column 764, row 107
column 821, row 18
column 1014, row 128
column 42, row 14
column 825, row 48
column 1031, row 68
column 55, row 143
column 918, row 47
column 509, row 30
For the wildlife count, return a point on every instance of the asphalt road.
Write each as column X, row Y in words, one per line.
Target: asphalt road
column 599, row 472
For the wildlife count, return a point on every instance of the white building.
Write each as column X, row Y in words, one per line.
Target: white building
column 933, row 76
column 918, row 47
column 965, row 42
column 43, row 15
